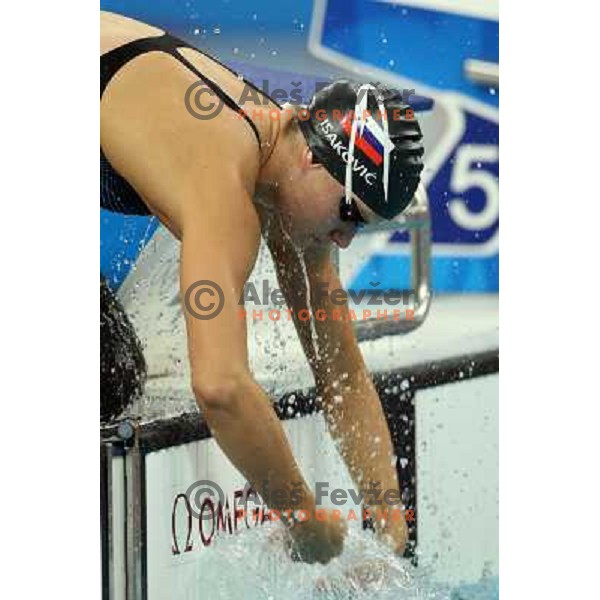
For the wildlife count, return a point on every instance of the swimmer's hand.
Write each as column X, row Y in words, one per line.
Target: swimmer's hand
column 317, row 540
column 369, row 575
column 394, row 535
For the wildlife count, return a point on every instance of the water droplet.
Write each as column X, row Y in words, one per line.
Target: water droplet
column 492, row 91
column 392, row 62
column 217, row 30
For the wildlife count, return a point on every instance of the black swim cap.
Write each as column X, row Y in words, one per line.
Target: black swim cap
column 379, row 160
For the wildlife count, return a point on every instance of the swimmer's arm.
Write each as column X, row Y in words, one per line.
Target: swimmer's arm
column 351, row 404
column 339, row 357
column 219, row 244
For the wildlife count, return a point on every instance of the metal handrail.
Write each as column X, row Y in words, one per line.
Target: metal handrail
column 126, row 438
column 135, row 523
column 415, row 219
column 482, row 72
column 106, row 521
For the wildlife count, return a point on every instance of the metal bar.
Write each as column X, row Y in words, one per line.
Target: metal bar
column 482, row 72
column 417, row 220
column 415, row 217
column 135, row 522
column 421, row 259
column 106, row 521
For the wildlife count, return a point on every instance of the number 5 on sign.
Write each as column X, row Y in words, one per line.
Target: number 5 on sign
column 467, row 174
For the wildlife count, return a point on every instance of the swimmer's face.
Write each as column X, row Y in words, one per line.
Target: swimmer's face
column 311, row 201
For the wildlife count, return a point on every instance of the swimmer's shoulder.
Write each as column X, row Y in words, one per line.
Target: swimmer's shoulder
column 116, row 30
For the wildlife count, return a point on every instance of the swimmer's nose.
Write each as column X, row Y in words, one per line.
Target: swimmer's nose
column 342, row 238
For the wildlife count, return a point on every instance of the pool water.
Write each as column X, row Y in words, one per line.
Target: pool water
column 255, row 566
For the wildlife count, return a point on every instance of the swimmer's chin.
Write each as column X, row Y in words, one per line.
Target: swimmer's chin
column 311, row 241
column 320, row 240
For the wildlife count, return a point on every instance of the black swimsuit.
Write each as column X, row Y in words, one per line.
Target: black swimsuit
column 116, row 194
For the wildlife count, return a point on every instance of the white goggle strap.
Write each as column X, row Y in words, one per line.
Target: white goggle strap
column 359, row 116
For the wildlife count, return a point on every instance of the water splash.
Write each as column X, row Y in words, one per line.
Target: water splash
column 302, row 262
column 258, row 567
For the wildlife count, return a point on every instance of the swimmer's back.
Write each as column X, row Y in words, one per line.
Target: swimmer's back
column 151, row 139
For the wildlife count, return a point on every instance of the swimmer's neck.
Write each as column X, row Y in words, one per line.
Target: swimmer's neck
column 280, row 162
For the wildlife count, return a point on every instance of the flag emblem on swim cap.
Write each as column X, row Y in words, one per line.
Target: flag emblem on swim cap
column 371, row 140
column 367, row 135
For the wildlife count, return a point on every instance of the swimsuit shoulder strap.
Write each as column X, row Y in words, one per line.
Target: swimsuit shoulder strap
column 112, row 61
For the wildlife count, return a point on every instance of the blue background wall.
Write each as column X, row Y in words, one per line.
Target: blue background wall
column 230, row 15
